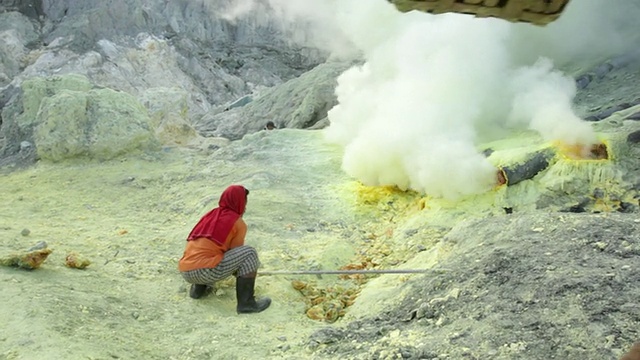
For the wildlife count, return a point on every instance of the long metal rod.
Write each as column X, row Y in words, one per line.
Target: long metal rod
column 347, row 272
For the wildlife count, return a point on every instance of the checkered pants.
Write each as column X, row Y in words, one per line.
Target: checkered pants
column 238, row 261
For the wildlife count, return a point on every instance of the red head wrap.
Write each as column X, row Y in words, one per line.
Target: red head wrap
column 217, row 223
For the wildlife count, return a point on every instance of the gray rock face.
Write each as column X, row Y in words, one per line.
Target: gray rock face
column 17, row 33
column 137, row 45
column 203, row 21
column 510, row 292
column 198, row 28
column 299, row 103
column 30, row 8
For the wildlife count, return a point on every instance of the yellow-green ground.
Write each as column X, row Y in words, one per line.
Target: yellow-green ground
column 130, row 217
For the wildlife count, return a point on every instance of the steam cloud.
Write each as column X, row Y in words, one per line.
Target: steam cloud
column 432, row 86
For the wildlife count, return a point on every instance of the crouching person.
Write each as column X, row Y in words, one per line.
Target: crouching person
column 215, row 250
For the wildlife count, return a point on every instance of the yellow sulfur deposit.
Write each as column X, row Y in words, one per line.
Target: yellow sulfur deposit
column 325, row 304
column 76, row 261
column 30, row 260
column 597, row 152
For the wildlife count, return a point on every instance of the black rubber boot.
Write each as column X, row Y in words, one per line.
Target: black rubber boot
column 197, row 291
column 246, row 301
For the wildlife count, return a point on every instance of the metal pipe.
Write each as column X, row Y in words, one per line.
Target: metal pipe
column 348, row 272
column 535, row 163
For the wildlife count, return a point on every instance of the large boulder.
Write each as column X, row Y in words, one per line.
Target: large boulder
column 100, row 124
column 299, row 103
column 65, row 117
column 17, row 32
column 38, row 88
column 62, row 132
column 30, row 8
column 118, row 123
column 21, row 105
column 26, row 29
column 169, row 113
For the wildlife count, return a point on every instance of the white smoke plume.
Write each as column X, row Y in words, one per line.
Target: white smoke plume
column 542, row 100
column 304, row 23
column 587, row 30
column 412, row 114
column 238, row 9
column 407, row 117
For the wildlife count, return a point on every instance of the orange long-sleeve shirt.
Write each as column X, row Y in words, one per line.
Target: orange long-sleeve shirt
column 202, row 253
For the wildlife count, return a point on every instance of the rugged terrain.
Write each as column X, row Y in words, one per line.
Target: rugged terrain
column 122, row 123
